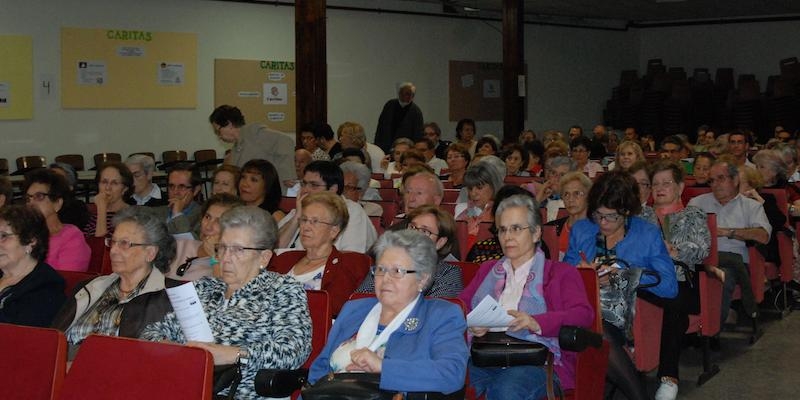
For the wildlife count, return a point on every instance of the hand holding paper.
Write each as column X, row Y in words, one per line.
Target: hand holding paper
column 488, row 313
column 189, row 312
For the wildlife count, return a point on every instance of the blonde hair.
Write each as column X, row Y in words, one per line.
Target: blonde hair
column 335, row 205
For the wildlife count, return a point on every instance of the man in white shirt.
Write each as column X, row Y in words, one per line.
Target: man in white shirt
column 319, row 176
column 739, row 219
column 427, row 148
column 738, row 143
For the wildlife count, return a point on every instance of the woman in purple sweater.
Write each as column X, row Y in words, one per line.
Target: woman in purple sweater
column 540, row 295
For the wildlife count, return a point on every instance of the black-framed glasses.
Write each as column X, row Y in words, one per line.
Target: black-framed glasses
column 394, row 272
column 38, row 196
column 423, row 230
column 124, row 244
column 5, row 235
column 235, row 251
column 599, row 217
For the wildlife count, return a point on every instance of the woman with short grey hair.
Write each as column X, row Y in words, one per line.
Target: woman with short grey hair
column 259, row 319
column 430, row 355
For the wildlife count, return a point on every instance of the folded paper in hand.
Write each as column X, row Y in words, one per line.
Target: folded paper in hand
column 489, row 313
column 189, row 312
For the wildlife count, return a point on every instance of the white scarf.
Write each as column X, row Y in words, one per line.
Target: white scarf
column 369, row 328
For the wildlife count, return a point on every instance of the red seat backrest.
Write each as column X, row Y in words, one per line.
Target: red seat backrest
column 73, row 278
column 451, row 195
column 287, row 204
column 468, row 270
column 690, row 192
column 33, row 362
column 550, row 238
column 320, row 309
column 182, row 372
column 100, row 261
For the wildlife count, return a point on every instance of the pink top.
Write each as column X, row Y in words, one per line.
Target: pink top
column 68, row 250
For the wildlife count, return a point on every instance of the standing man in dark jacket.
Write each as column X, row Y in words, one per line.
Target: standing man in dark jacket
column 400, row 117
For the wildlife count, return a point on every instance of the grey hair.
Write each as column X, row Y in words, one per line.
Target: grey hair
column 362, row 172
column 155, row 233
column 72, row 178
column 403, row 140
column 773, row 160
column 146, row 162
column 407, row 85
column 261, row 224
column 520, row 200
column 786, row 151
column 556, row 162
column 420, row 250
column 485, row 171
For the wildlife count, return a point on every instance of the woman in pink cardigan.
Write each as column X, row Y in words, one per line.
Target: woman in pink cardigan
column 541, row 295
column 46, row 191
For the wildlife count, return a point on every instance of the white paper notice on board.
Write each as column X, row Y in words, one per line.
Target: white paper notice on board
column 467, row 80
column 489, row 313
column 275, row 93
column 189, row 312
column 92, row 73
column 170, row 74
column 491, row 88
column 5, row 94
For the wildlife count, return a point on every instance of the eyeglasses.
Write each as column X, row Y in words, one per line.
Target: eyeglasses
column 124, row 244
column 106, row 182
column 599, row 217
column 513, row 230
column 718, row 179
column 394, row 272
column 423, row 230
column 313, row 185
column 644, row 185
column 38, row 196
column 572, row 195
column 454, row 156
column 657, row 185
column 138, row 174
column 180, row 188
column 235, row 251
column 314, row 222
column 5, row 235
column 351, row 188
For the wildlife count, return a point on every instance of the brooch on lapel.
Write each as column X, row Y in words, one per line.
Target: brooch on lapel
column 411, row 324
column 335, row 260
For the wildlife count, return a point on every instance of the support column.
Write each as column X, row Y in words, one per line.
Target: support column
column 513, row 62
column 311, row 62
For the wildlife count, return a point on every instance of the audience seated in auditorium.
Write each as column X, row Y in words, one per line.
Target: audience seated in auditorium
column 124, row 302
column 750, row 184
column 259, row 319
column 31, row 292
column 326, row 140
column 548, row 193
column 481, row 182
column 526, row 136
column 351, row 135
column 114, row 189
column 490, row 249
column 705, row 137
column 789, row 155
column 145, row 192
column 488, row 145
column 419, row 187
column 739, row 143
column 677, row 150
column 47, row 192
column 573, row 132
column 309, row 142
column 439, row 226
column 535, row 150
column 630, row 135
column 321, row 266
column 327, row 176
column 194, row 259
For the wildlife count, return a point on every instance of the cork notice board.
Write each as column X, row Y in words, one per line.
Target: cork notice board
column 476, row 90
column 264, row 90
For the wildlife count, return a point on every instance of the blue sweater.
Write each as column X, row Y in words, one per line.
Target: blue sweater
column 641, row 247
column 431, row 357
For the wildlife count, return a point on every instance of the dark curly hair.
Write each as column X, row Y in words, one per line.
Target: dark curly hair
column 30, row 227
column 616, row 190
column 57, row 185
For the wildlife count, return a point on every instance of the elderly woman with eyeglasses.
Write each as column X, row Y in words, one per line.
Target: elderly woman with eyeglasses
column 415, row 344
column 541, row 296
column 132, row 296
column 440, row 227
column 47, row 191
column 612, row 232
column 31, row 292
column 574, row 188
column 259, row 319
column 321, row 266
column 114, row 190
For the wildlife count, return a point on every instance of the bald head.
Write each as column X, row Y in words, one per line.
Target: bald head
column 302, row 157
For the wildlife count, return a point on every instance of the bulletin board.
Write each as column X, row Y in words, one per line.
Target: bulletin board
column 476, row 90
column 264, row 90
column 16, row 77
column 123, row 68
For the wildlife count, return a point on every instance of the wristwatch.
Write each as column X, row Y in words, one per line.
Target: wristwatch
column 731, row 233
column 242, row 356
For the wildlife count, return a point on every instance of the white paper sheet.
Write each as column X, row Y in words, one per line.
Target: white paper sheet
column 489, row 313
column 189, row 312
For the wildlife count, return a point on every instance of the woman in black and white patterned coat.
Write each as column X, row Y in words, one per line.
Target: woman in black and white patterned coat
column 257, row 317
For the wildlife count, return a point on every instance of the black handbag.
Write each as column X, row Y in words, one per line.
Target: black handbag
column 365, row 386
column 496, row 349
column 227, row 377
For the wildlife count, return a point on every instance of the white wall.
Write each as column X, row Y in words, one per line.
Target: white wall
column 571, row 71
column 751, row 48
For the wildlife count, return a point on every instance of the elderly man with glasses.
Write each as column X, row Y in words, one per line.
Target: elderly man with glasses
column 182, row 212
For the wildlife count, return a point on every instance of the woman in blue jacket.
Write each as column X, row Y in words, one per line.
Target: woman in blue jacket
column 613, row 231
column 416, row 345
